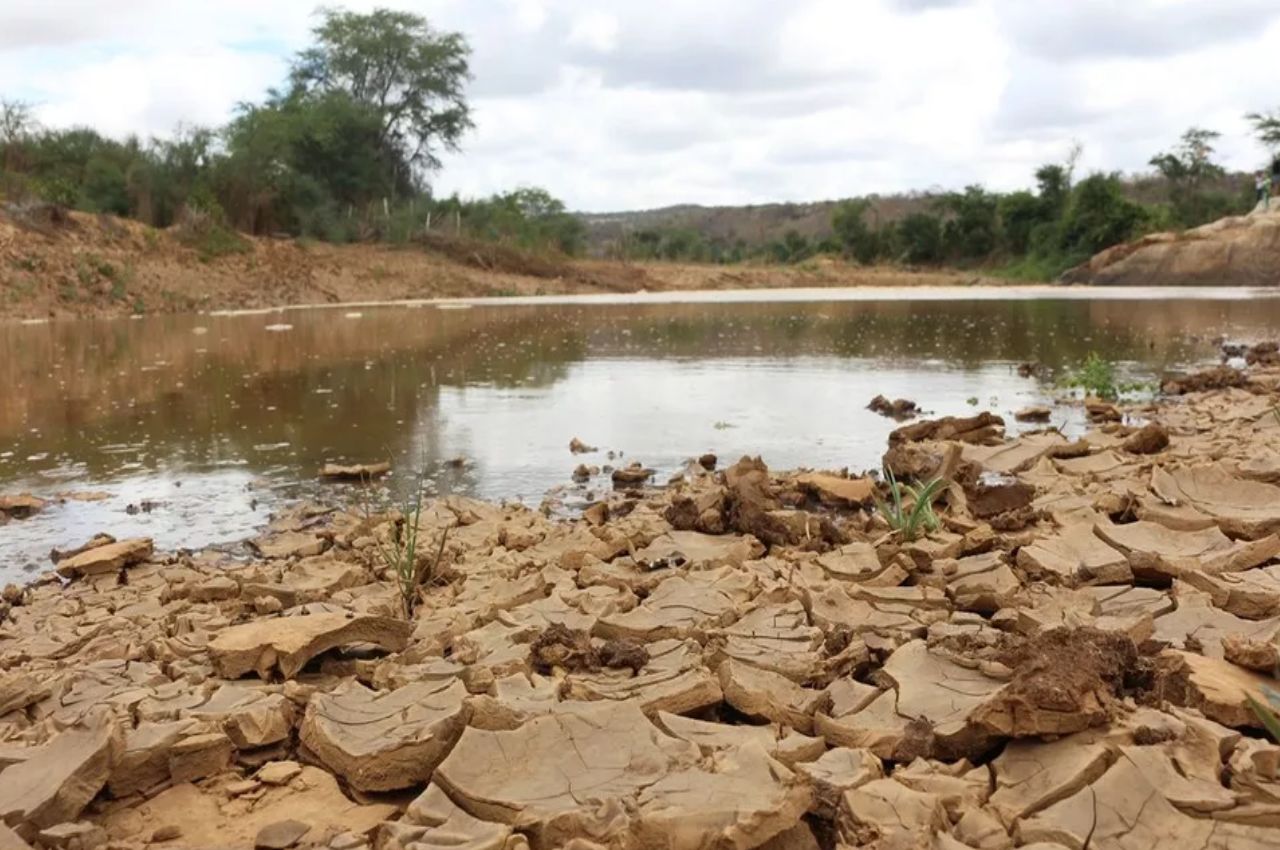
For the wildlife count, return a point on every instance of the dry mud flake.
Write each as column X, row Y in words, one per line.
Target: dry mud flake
column 288, row 643
column 697, row 551
column 1155, row 551
column 433, row 820
column 354, row 472
column 385, row 741
column 762, row 693
column 983, row 429
column 673, row 679
column 683, row 605
column 789, row 747
column 21, row 506
column 1075, row 556
column 605, row 773
column 884, row 810
column 835, row 491
column 110, row 558
column 1218, row 689
column 1123, row 810
column 57, row 780
column 1242, row 508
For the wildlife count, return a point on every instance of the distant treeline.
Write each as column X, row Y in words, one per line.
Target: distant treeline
column 1034, row 233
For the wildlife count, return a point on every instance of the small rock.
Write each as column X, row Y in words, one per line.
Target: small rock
column 267, row 605
column 1035, row 413
column 167, row 832
column 348, row 841
column 633, row 474
column 22, row 506
column 81, row 836
column 1148, row 440
column 278, row 772
column 708, row 461
column 580, row 448
column 899, row 409
column 281, row 834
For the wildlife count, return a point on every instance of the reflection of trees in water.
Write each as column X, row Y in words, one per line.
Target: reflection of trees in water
column 361, row 388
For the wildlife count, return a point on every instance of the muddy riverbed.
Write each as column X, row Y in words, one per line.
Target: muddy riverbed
column 192, row 429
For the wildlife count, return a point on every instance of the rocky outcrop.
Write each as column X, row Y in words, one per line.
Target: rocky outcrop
column 1235, row 251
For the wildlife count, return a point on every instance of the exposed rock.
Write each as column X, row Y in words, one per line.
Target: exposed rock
column 578, row 447
column 286, row 644
column 384, row 741
column 1034, row 413
column 646, row 789
column 57, row 780
column 110, row 558
column 355, row 471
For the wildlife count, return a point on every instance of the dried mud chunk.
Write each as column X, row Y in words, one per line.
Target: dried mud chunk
column 1218, row 689
column 683, row 604
column 57, row 780
column 604, row 771
column 250, row 716
column 22, row 506
column 1256, row 655
column 834, row 491
column 624, row 654
column 354, row 471
column 1064, row 681
column 1075, row 556
column 932, row 688
column 885, row 811
column 985, row 428
column 774, row 637
column 144, row 762
column 110, row 558
column 433, row 820
column 1197, row 624
column 761, row 693
column 1123, row 809
column 992, row 495
column 1242, row 508
column 838, row 770
column 288, row 643
column 559, row 646
column 787, row 746
column 900, row 409
column 1148, row 440
column 696, row 551
column 1217, row 378
column 385, row 741
column 1155, row 551
column 674, row 679
column 1032, row 775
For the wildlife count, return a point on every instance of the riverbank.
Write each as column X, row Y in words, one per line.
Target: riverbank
column 736, row 658
column 85, row 265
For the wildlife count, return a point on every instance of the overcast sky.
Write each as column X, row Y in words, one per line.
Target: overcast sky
column 624, row 105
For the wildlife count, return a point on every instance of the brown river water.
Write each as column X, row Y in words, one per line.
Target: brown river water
column 192, row 429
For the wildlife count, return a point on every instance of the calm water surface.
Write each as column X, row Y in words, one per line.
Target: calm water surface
column 216, row 420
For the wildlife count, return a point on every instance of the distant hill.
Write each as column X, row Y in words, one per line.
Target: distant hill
column 758, row 224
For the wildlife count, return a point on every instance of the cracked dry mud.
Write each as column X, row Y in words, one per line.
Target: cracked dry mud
column 738, row 659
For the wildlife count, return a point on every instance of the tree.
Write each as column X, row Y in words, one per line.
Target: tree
column 856, row 237
column 1266, row 126
column 411, row 75
column 17, row 126
column 1100, row 216
column 919, row 236
column 1191, row 162
column 971, row 227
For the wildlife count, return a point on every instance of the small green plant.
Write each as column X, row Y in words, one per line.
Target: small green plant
column 1266, row 712
column 1097, row 377
column 400, row 554
column 972, row 401
column 909, row 520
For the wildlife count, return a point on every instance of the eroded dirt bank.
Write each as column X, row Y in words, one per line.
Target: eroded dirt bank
column 85, row 265
column 737, row 659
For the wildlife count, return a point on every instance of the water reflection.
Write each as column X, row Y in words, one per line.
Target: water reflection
column 243, row 416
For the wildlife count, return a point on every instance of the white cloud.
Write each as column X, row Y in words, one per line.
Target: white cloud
column 614, row 104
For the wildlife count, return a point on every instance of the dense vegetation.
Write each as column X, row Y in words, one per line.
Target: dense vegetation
column 340, row 152
column 1034, row 233
column 343, row 150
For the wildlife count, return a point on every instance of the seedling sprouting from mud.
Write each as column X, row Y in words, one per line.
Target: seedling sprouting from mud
column 1097, row 377
column 909, row 519
column 400, row 554
column 1266, row 714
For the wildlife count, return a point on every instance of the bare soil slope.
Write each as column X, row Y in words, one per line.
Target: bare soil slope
column 79, row 264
